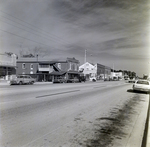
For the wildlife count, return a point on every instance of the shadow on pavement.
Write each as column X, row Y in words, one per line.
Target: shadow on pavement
column 140, row 92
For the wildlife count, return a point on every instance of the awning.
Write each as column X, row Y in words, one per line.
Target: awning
column 56, row 73
column 73, row 72
column 7, row 66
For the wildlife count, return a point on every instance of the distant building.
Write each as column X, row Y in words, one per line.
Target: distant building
column 98, row 71
column 7, row 65
column 46, row 70
column 117, row 75
column 103, row 72
column 88, row 69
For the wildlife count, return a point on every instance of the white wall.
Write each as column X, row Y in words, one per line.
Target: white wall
column 6, row 60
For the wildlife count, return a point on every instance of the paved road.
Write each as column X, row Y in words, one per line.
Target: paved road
column 64, row 115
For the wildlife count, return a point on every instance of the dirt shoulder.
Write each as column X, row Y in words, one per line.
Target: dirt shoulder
column 123, row 127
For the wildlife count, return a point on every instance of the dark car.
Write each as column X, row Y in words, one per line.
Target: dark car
column 73, row 80
column 59, row 80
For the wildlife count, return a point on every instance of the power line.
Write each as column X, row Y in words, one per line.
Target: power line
column 26, row 30
column 50, row 37
column 24, row 37
column 46, row 33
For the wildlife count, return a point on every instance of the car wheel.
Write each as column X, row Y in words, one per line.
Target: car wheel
column 20, row 83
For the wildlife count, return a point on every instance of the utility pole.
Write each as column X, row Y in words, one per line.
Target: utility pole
column 85, row 57
column 37, row 67
column 113, row 67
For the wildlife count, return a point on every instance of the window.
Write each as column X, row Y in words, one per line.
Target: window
column 75, row 68
column 44, row 66
column 23, row 65
column 143, row 82
column 31, row 66
column 59, row 65
column 70, row 65
column 78, row 67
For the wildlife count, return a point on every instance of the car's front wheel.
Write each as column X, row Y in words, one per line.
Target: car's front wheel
column 20, row 83
column 32, row 82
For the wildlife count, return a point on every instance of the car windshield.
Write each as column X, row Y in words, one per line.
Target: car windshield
column 143, row 82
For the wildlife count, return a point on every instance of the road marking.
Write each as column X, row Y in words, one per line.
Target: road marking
column 57, row 93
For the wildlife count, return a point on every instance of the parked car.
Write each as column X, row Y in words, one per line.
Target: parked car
column 131, row 80
column 73, row 80
column 93, row 79
column 59, row 80
column 82, row 79
column 21, row 79
column 142, row 85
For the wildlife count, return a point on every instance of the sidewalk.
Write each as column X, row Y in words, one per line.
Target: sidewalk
column 148, row 132
column 5, row 82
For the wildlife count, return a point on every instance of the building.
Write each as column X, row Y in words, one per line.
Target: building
column 117, row 75
column 88, row 69
column 7, row 65
column 98, row 71
column 103, row 72
column 45, row 70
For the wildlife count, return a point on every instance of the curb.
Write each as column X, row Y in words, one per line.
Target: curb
column 38, row 83
column 4, row 83
column 136, row 138
column 146, row 139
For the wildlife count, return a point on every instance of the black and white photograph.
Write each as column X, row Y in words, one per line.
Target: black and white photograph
column 74, row 73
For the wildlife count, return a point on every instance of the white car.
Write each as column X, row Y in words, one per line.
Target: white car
column 142, row 85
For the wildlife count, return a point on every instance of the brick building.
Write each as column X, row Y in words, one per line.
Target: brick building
column 45, row 70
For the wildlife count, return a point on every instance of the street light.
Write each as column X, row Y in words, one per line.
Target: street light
column 85, row 57
column 37, row 57
column 37, row 66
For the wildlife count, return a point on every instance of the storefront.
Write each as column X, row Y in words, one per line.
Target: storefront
column 7, row 65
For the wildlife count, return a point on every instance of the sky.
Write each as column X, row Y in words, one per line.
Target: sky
column 114, row 33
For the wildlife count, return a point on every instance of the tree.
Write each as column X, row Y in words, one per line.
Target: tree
column 30, row 53
column 8, row 53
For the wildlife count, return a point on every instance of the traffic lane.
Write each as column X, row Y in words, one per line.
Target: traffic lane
column 23, row 125
column 51, row 99
column 20, row 99
column 124, row 124
column 12, row 93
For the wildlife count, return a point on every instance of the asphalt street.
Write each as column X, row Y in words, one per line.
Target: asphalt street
column 71, row 114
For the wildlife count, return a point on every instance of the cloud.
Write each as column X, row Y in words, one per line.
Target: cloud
column 109, row 30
